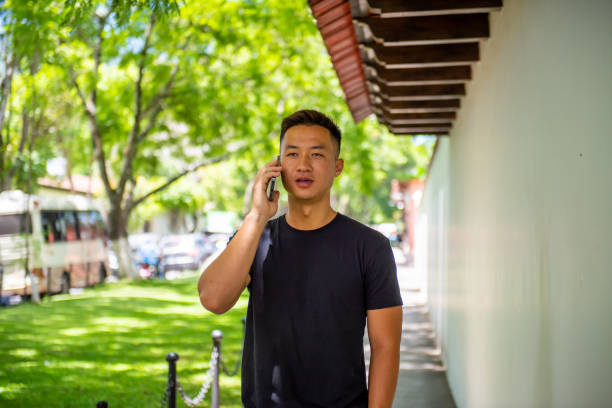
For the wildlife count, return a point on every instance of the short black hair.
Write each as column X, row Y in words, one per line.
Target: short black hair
column 310, row 118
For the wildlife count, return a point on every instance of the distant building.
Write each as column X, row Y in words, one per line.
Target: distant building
column 407, row 194
column 75, row 184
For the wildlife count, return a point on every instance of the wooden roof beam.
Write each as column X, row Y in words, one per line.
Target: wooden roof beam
column 419, row 92
column 414, row 8
column 447, row 116
column 420, row 76
column 411, row 107
column 421, row 56
column 443, row 29
column 453, row 104
column 401, row 130
column 416, row 122
column 419, row 110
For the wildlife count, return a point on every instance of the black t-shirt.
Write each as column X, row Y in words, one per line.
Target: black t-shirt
column 309, row 294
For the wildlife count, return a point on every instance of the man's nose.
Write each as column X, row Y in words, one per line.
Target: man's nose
column 304, row 163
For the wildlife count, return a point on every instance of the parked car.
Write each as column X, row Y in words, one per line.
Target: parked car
column 218, row 240
column 146, row 238
column 187, row 251
column 388, row 230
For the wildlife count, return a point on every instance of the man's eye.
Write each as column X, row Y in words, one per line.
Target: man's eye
column 291, row 154
column 317, row 154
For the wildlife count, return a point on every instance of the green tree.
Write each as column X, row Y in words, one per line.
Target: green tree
column 150, row 93
column 165, row 97
column 25, row 38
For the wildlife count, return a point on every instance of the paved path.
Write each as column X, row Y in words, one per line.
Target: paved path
column 422, row 378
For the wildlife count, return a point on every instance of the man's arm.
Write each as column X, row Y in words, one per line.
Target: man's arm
column 384, row 332
column 222, row 282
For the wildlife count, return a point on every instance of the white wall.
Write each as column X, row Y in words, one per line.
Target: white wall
column 516, row 220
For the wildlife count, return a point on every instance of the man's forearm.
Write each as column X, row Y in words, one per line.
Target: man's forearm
column 384, row 367
column 223, row 281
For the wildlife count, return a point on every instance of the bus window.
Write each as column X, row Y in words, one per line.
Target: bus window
column 91, row 225
column 86, row 225
column 54, row 226
column 98, row 224
column 15, row 224
column 47, row 227
column 72, row 232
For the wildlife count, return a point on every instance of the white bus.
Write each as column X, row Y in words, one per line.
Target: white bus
column 60, row 239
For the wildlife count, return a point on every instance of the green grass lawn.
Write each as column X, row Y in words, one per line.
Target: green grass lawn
column 110, row 342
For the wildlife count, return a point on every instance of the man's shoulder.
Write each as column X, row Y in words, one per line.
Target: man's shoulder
column 361, row 230
column 271, row 224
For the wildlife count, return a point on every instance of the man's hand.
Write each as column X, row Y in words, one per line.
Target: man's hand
column 262, row 208
column 223, row 281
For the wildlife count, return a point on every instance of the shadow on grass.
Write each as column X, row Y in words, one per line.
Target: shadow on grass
column 110, row 343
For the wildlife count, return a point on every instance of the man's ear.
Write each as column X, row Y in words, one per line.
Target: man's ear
column 339, row 167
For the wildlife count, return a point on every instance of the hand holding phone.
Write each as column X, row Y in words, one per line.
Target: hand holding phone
column 272, row 183
column 264, row 199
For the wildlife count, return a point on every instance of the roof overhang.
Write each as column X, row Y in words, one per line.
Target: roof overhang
column 405, row 61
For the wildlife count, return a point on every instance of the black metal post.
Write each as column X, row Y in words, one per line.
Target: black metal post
column 217, row 335
column 172, row 358
column 102, row 404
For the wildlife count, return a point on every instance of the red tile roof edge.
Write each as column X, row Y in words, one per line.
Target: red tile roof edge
column 341, row 43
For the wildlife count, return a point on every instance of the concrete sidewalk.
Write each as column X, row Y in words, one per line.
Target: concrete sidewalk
column 422, row 377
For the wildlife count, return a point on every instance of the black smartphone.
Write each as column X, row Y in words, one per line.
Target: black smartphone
column 272, row 182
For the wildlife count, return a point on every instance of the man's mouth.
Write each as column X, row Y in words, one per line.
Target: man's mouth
column 304, row 182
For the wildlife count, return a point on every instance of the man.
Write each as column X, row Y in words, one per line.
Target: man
column 314, row 275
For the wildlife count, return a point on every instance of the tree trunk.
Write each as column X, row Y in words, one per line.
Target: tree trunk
column 10, row 63
column 122, row 250
column 117, row 224
column 33, row 278
column 193, row 228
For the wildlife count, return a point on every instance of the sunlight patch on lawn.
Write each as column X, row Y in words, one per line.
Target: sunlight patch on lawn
column 75, row 331
column 120, row 324
column 12, row 389
column 119, row 367
column 25, row 364
column 71, row 364
column 194, row 309
column 23, row 352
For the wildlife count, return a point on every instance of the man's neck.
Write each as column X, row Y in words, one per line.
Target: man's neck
column 309, row 216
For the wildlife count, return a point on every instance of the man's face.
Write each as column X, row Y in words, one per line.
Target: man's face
column 308, row 158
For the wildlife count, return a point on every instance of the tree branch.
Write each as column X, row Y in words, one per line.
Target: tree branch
column 6, row 86
column 155, row 107
column 131, row 148
column 165, row 91
column 5, row 181
column 175, row 178
column 90, row 107
column 191, row 169
column 130, row 198
column 97, row 58
column 89, row 110
column 152, row 121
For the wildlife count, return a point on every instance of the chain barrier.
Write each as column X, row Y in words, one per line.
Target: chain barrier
column 236, row 367
column 210, row 374
column 216, row 364
column 211, row 381
column 164, row 399
column 239, row 361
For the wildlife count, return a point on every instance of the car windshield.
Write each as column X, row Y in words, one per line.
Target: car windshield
column 183, row 241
